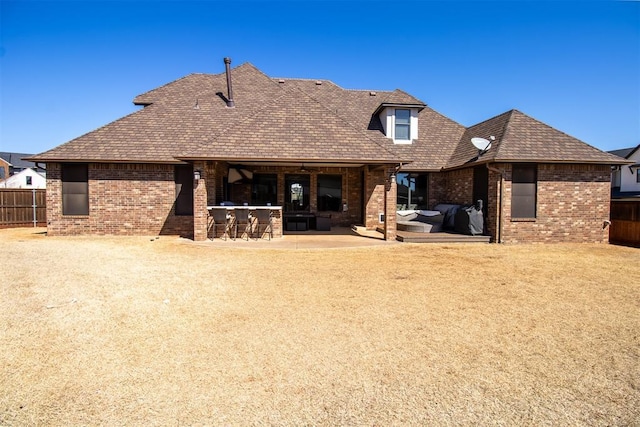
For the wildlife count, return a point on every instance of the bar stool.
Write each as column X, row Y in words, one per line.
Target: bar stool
column 264, row 222
column 221, row 219
column 243, row 222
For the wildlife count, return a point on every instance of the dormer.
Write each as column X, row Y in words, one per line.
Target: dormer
column 399, row 121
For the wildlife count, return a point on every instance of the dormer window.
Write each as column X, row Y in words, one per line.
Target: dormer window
column 402, row 125
column 399, row 121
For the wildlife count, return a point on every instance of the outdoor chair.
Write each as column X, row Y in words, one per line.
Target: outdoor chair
column 221, row 220
column 264, row 223
column 243, row 222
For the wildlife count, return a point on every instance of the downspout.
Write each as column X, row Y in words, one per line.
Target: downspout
column 499, row 231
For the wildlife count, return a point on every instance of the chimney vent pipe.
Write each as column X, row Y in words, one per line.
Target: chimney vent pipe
column 230, row 102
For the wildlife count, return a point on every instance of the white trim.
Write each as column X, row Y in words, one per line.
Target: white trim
column 387, row 118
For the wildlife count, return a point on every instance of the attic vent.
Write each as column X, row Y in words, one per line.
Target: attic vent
column 281, row 81
column 372, row 93
column 318, row 82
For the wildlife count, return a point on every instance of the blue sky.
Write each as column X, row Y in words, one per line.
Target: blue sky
column 67, row 68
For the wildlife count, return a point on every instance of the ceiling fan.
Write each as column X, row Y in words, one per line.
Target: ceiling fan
column 303, row 168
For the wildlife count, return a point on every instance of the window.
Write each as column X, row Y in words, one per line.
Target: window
column 75, row 189
column 264, row 189
column 29, row 180
column 638, row 174
column 329, row 193
column 412, row 191
column 523, row 192
column 183, row 178
column 403, row 124
column 297, row 193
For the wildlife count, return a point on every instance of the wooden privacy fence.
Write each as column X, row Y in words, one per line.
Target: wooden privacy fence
column 625, row 222
column 21, row 208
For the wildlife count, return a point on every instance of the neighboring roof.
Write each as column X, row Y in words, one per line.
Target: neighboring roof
column 622, row 152
column 521, row 138
column 626, row 153
column 305, row 120
column 15, row 159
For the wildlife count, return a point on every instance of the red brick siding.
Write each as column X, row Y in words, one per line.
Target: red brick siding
column 493, row 205
column 391, row 193
column 124, row 199
column 458, row 187
column 200, row 211
column 437, row 189
column 375, row 203
column 573, row 201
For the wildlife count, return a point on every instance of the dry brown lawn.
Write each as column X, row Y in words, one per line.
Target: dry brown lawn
column 129, row 331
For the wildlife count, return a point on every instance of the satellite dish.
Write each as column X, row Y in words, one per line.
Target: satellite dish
column 482, row 144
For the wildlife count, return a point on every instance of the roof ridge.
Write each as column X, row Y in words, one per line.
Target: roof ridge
column 290, row 92
column 505, row 130
column 408, row 94
column 160, row 87
column 243, row 65
column 633, row 151
column 303, row 79
column 555, row 129
column 491, row 118
column 340, row 87
column 36, row 157
column 347, row 122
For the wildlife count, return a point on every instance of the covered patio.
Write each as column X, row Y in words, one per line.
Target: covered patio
column 302, row 196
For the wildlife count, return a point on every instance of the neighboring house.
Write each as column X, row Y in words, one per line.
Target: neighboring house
column 5, row 167
column 26, row 178
column 13, row 163
column 310, row 146
column 625, row 179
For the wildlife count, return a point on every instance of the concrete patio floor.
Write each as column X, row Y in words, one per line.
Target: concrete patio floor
column 338, row 237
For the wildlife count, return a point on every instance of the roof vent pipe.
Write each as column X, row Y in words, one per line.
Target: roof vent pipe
column 230, row 103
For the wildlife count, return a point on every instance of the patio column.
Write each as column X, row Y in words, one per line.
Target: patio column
column 390, row 205
column 200, row 213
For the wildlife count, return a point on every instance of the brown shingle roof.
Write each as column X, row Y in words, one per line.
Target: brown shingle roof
column 188, row 118
column 294, row 127
column 438, row 135
column 305, row 120
column 520, row 138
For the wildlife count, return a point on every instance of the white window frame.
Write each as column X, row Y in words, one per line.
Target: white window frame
column 396, row 124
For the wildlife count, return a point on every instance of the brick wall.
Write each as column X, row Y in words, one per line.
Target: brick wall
column 124, row 199
column 573, row 201
column 437, row 189
column 375, row 203
column 458, row 187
